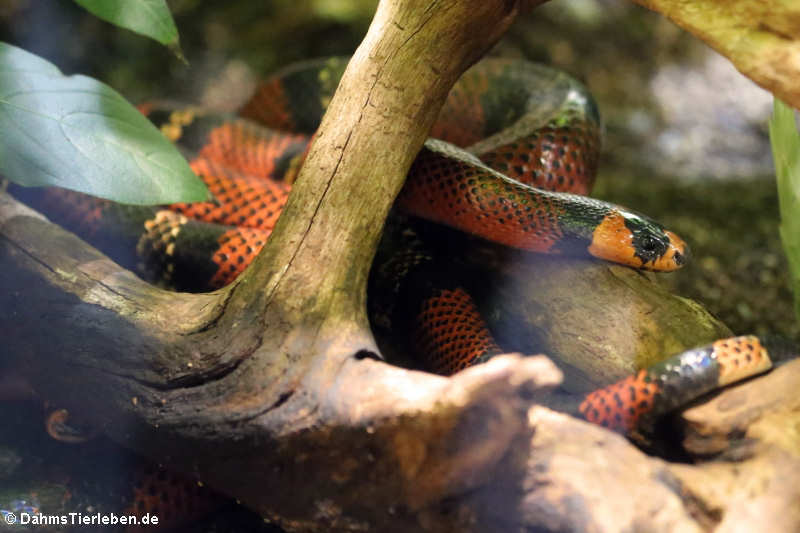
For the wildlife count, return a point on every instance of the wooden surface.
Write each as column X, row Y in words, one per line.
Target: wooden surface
column 762, row 39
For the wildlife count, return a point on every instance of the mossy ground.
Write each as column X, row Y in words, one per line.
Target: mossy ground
column 738, row 270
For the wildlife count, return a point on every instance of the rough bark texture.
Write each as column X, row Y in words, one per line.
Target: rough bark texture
column 753, row 433
column 762, row 39
column 268, row 389
column 763, row 410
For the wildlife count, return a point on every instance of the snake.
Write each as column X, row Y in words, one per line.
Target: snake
column 511, row 160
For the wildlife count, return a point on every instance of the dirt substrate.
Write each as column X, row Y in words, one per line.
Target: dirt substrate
column 738, row 270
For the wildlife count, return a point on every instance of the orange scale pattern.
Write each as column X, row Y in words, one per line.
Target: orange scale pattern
column 80, row 212
column 477, row 201
column 621, row 405
column 451, row 333
column 559, row 158
column 461, row 120
column 740, row 358
column 176, row 500
column 237, row 249
column 244, row 200
column 269, row 106
column 249, row 148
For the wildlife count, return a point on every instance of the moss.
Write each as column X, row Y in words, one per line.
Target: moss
column 738, row 269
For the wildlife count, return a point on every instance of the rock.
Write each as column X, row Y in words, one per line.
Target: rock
column 572, row 309
column 765, row 410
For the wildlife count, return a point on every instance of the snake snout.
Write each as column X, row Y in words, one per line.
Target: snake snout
column 676, row 255
column 681, row 257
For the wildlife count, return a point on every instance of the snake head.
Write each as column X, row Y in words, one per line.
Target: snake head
column 633, row 240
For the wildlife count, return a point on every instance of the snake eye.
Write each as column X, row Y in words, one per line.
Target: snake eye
column 649, row 244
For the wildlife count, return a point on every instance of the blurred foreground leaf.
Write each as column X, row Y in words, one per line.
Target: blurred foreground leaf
column 150, row 18
column 78, row 133
column 786, row 155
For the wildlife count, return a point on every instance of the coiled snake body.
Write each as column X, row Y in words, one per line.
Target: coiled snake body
column 531, row 138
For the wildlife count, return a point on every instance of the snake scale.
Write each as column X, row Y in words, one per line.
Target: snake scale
column 510, row 160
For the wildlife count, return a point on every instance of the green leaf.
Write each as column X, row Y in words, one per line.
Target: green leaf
column 786, row 155
column 78, row 133
column 145, row 17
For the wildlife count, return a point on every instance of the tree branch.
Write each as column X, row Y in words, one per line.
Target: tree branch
column 760, row 38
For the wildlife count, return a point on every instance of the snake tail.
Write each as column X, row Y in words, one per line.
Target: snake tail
column 637, row 400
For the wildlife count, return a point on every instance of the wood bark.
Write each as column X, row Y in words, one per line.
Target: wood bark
column 762, row 39
column 269, row 390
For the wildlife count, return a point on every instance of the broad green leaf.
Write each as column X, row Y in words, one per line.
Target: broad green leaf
column 78, row 133
column 786, row 155
column 145, row 17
